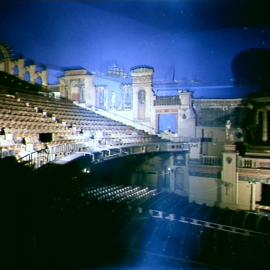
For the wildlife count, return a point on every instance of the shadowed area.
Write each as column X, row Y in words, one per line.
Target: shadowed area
column 251, row 67
column 74, row 221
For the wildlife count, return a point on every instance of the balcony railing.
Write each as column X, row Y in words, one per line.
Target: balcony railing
column 254, row 163
column 207, row 161
column 43, row 156
column 210, row 160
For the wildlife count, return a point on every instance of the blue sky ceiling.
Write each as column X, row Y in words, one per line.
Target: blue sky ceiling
column 183, row 40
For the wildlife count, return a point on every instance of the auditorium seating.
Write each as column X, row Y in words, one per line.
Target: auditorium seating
column 193, row 243
column 26, row 115
column 126, row 196
column 164, row 237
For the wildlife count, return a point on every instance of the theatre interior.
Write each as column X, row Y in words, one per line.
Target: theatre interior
column 110, row 172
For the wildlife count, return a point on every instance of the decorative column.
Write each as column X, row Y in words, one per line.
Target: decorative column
column 257, row 117
column 252, row 195
column 265, row 126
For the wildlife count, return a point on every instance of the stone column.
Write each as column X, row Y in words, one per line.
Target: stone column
column 252, row 196
column 265, row 126
column 257, row 117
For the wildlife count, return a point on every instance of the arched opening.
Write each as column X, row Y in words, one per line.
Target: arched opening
column 16, row 71
column 141, row 105
column 39, row 80
column 27, row 76
column 265, row 200
column 75, row 94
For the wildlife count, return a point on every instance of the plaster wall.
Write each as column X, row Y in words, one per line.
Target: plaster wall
column 204, row 190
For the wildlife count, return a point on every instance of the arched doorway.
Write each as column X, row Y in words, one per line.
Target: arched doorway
column 39, row 80
column 141, row 105
column 16, row 71
column 27, row 76
column 75, row 93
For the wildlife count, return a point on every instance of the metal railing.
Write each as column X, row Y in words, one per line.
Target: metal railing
column 39, row 158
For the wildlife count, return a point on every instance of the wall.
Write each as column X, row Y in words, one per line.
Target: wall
column 244, row 195
column 204, row 190
column 217, row 136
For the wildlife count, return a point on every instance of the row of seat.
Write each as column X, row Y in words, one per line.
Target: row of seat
column 183, row 241
column 173, row 203
column 178, row 205
column 27, row 115
column 166, row 238
column 129, row 195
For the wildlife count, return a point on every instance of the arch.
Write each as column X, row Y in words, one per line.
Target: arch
column 27, row 76
column 16, row 71
column 141, row 104
column 39, row 80
column 75, row 93
column 141, row 97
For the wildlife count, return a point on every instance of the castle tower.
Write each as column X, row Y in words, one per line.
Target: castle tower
column 186, row 116
column 143, row 95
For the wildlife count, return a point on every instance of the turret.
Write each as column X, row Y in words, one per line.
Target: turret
column 143, row 94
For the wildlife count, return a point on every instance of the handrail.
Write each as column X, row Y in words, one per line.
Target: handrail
column 45, row 155
column 35, row 158
column 24, row 157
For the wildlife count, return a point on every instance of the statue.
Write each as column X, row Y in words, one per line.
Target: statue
column 229, row 135
column 189, row 113
column 141, row 97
